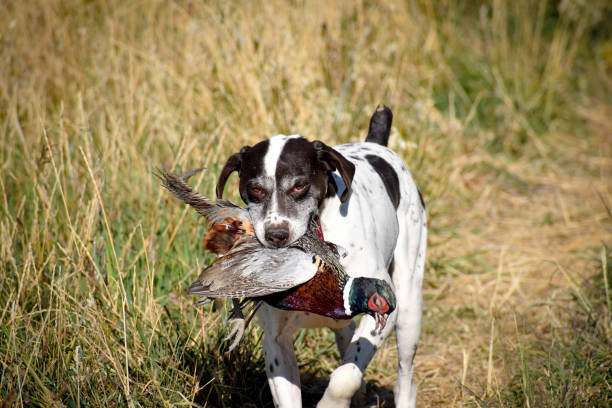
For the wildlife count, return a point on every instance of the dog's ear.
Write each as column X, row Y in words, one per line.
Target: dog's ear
column 233, row 164
column 332, row 160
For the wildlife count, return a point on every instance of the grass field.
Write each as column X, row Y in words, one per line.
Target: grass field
column 503, row 112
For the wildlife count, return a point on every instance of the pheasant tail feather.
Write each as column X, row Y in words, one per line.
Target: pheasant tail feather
column 183, row 191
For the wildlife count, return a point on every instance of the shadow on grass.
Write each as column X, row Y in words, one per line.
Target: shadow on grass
column 239, row 380
column 232, row 383
column 234, row 380
column 375, row 395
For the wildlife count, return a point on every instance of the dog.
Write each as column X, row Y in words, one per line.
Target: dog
column 367, row 203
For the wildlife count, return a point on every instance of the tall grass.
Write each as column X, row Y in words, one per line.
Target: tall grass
column 501, row 112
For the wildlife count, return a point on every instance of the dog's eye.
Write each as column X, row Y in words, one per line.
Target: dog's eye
column 299, row 189
column 256, row 193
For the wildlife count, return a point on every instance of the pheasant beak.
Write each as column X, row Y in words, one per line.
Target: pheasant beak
column 381, row 321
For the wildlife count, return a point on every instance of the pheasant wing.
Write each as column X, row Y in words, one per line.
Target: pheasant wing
column 250, row 270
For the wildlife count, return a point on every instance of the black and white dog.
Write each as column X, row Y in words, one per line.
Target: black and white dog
column 368, row 204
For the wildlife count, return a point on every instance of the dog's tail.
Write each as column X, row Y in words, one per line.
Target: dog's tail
column 380, row 126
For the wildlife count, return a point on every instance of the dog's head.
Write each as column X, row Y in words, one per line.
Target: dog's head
column 283, row 180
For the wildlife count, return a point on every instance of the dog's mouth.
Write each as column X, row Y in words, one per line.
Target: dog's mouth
column 381, row 321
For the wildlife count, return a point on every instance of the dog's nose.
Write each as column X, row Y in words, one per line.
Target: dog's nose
column 277, row 236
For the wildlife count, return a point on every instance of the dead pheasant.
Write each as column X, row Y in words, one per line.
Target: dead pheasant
column 306, row 276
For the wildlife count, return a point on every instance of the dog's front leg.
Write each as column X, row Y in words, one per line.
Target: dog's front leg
column 344, row 335
column 281, row 364
column 346, row 380
column 282, row 370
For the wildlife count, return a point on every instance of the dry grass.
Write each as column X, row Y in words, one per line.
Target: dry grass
column 502, row 111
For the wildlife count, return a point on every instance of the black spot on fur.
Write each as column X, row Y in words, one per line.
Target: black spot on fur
column 421, row 198
column 276, row 361
column 388, row 176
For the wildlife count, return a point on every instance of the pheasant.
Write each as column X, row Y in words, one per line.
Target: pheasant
column 305, row 276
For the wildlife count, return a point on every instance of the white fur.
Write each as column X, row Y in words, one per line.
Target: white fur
column 272, row 217
column 275, row 149
column 373, row 233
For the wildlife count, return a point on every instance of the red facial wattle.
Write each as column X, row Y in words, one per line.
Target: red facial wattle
column 378, row 304
column 320, row 231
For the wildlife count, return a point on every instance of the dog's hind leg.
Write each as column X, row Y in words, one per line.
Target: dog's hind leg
column 408, row 266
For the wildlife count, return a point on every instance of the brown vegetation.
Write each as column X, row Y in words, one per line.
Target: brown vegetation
column 502, row 112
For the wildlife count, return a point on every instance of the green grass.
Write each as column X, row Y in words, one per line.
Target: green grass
column 572, row 367
column 501, row 111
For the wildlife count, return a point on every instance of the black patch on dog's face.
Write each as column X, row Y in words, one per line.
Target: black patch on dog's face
column 298, row 165
column 251, row 166
column 285, row 200
column 388, row 177
column 284, row 180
